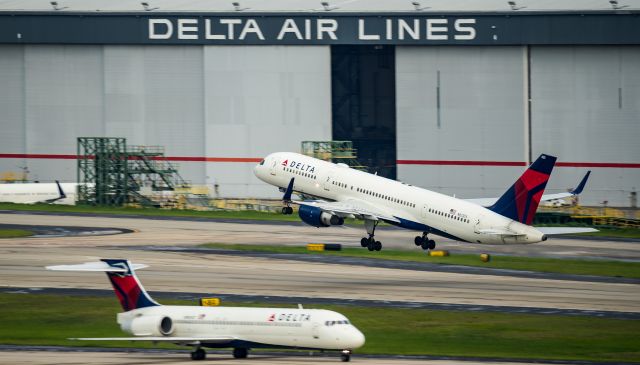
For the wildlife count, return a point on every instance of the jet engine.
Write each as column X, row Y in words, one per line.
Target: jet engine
column 149, row 326
column 318, row 218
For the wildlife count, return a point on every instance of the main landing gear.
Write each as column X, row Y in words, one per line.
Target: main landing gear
column 198, row 354
column 424, row 242
column 371, row 242
column 240, row 353
column 287, row 210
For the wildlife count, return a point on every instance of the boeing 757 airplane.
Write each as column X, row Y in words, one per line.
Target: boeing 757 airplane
column 219, row 327
column 344, row 192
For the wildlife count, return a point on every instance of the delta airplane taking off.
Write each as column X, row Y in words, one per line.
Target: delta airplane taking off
column 32, row 193
column 219, row 327
column 346, row 192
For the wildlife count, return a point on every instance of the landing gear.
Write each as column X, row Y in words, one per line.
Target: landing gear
column 370, row 242
column 345, row 356
column 287, row 210
column 198, row 354
column 424, row 242
column 240, row 353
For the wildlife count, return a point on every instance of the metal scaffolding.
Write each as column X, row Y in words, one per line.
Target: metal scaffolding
column 334, row 151
column 111, row 174
column 102, row 171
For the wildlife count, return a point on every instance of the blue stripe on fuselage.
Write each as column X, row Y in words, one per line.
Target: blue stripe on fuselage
column 415, row 226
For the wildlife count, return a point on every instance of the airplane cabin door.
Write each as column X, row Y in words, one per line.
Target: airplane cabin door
column 424, row 211
column 327, row 182
column 315, row 330
column 273, row 167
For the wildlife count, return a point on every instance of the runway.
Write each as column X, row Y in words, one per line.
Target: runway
column 22, row 264
column 55, row 356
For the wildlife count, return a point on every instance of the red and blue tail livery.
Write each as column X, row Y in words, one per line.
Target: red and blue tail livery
column 128, row 288
column 521, row 201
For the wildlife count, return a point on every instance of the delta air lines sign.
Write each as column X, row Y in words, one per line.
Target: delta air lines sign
column 340, row 30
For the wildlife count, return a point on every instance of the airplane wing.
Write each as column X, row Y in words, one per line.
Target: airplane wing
column 350, row 207
column 550, row 231
column 178, row 340
column 487, row 202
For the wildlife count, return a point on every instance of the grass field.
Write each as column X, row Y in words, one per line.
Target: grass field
column 30, row 319
column 564, row 266
column 13, row 233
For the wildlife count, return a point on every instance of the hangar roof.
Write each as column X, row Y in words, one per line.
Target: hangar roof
column 269, row 6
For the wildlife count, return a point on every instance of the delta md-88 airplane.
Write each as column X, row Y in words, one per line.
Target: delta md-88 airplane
column 241, row 328
column 343, row 192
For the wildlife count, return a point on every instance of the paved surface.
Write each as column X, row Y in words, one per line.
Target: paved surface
column 23, row 355
column 189, row 231
column 41, row 231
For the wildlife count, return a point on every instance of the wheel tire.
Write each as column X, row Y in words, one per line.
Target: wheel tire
column 418, row 240
column 198, row 354
column 345, row 357
column 240, row 353
column 364, row 242
column 378, row 246
column 285, row 211
column 289, row 210
column 432, row 244
column 371, row 246
column 425, row 245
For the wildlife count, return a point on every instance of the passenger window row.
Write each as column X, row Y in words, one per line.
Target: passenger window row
column 451, row 216
column 386, row 197
column 301, row 173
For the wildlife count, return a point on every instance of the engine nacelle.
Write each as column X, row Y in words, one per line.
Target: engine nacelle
column 316, row 217
column 152, row 325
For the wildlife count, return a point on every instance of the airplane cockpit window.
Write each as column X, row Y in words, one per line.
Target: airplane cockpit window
column 261, row 162
column 331, row 323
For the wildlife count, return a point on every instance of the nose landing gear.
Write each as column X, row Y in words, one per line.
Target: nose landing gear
column 345, row 355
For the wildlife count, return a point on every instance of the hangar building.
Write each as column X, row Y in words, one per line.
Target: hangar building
column 452, row 95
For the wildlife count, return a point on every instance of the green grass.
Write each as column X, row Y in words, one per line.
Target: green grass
column 32, row 319
column 13, row 233
column 564, row 266
column 247, row 214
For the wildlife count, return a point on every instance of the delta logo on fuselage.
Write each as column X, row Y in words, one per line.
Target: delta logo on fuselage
column 299, row 166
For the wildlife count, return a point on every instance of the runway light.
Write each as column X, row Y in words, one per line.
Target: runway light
column 237, row 7
column 146, row 6
column 54, row 5
column 418, row 6
column 485, row 257
column 327, row 7
column 515, row 6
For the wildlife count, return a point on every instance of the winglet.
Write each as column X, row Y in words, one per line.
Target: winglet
column 580, row 186
column 287, row 193
column 62, row 194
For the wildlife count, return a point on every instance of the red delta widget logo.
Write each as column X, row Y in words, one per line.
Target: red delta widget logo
column 299, row 166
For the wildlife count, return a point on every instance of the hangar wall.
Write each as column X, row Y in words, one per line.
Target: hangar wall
column 196, row 101
column 585, row 102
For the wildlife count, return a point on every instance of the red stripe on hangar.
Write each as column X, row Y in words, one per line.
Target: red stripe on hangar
column 619, row 165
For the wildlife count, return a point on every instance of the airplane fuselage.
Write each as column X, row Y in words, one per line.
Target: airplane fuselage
column 414, row 208
column 257, row 327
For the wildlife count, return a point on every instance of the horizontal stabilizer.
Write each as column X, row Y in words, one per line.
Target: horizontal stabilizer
column 99, row 266
column 551, row 231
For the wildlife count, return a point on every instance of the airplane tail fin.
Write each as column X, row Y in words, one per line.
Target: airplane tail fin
column 60, row 191
column 521, row 201
column 121, row 273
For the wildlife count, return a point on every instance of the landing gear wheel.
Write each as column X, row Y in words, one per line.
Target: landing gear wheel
column 345, row 357
column 425, row 245
column 198, row 354
column 287, row 210
column 418, row 240
column 364, row 242
column 378, row 246
column 432, row 244
column 371, row 246
column 240, row 353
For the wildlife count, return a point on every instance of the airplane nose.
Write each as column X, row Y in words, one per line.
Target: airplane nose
column 356, row 339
